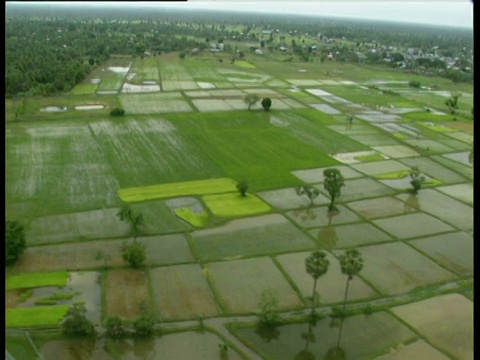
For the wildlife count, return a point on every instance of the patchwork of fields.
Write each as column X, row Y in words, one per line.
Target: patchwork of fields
column 176, row 157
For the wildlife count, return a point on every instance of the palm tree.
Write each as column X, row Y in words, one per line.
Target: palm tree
column 316, row 265
column 351, row 262
column 333, row 183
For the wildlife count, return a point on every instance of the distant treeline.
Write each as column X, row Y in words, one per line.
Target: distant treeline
column 52, row 47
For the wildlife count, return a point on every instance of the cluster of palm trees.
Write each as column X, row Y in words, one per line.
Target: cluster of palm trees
column 351, row 263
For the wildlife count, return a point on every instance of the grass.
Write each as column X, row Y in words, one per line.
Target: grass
column 251, row 240
column 111, row 82
column 85, row 89
column 244, row 64
column 26, row 281
column 162, row 191
column 246, row 146
column 372, row 157
column 438, row 128
column 393, row 175
column 400, row 136
column 197, row 220
column 19, row 346
column 232, row 205
column 25, row 295
column 39, row 316
column 427, row 116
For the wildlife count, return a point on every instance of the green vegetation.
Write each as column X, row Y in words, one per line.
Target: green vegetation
column 270, row 153
column 19, row 346
column 114, row 327
column 417, row 179
column 242, row 187
column 117, row 112
column 76, row 323
column 270, row 238
column 393, row 175
column 436, row 127
column 351, row 263
column 15, row 243
column 25, row 281
column 244, row 64
column 134, row 254
column 266, row 103
column 233, row 205
column 309, row 191
column 198, row 220
column 250, row 100
column 82, row 183
column 144, row 325
column 333, row 183
column 316, row 265
column 199, row 187
column 372, row 157
column 38, row 316
column 134, row 219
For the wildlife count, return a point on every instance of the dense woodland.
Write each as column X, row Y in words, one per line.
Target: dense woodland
column 51, row 48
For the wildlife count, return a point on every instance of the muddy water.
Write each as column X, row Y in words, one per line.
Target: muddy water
column 78, row 349
column 462, row 157
column 186, row 345
column 85, row 287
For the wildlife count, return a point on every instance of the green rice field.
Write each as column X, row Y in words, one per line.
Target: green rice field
column 176, row 157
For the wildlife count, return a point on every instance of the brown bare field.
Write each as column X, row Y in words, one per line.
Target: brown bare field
column 76, row 256
column 126, row 289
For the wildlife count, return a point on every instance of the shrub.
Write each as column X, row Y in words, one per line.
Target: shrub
column 114, row 327
column 14, row 241
column 266, row 103
column 76, row 323
column 144, row 325
column 242, row 187
column 117, row 112
column 134, row 254
column 415, row 84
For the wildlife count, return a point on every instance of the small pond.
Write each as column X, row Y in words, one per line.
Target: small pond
column 53, row 109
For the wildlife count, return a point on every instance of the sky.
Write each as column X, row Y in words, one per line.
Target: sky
column 458, row 13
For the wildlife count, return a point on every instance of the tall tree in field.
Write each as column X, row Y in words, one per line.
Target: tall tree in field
column 308, row 190
column 134, row 219
column 250, row 100
column 351, row 263
column 452, row 103
column 14, row 241
column 316, row 265
column 333, row 183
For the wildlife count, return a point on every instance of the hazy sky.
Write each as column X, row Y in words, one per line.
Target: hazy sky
column 437, row 12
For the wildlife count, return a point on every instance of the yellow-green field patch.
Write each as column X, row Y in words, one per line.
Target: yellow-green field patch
column 244, row 64
column 231, row 205
column 162, row 191
column 196, row 219
column 36, row 316
column 37, row 280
